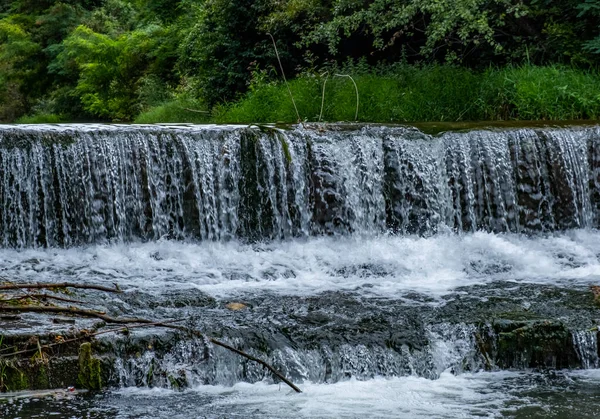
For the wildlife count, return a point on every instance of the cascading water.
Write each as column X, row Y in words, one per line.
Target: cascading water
column 359, row 253
column 64, row 187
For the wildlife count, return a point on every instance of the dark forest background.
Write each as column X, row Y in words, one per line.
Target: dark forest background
column 179, row 60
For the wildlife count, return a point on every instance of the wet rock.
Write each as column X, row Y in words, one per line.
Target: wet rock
column 335, row 335
column 89, row 375
column 534, row 344
column 236, row 306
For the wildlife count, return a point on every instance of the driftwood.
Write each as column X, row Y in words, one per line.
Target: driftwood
column 39, row 297
column 71, row 310
column 83, row 336
column 41, row 394
column 50, row 286
column 129, row 323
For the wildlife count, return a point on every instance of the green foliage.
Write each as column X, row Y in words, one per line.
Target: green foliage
column 164, row 10
column 17, row 67
column 175, row 111
column 219, row 48
column 149, row 60
column 553, row 92
column 447, row 22
column 472, row 32
column 592, row 8
column 41, row 119
column 407, row 93
column 228, row 39
column 111, row 68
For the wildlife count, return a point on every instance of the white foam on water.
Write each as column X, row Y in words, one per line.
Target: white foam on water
column 480, row 395
column 380, row 265
column 449, row 396
column 561, row 394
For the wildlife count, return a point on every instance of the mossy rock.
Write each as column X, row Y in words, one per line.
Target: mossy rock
column 519, row 315
column 534, row 344
column 12, row 378
column 90, row 371
column 39, row 376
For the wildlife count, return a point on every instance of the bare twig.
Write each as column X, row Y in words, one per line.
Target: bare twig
column 481, row 346
column 242, row 353
column 323, row 97
column 284, row 79
column 355, row 88
column 108, row 319
column 194, row 110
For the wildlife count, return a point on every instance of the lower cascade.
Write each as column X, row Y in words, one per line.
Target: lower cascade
column 385, row 271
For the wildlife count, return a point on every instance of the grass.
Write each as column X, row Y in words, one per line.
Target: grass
column 430, row 93
column 401, row 93
column 175, row 111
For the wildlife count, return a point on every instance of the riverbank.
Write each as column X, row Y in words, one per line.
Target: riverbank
column 399, row 94
column 407, row 94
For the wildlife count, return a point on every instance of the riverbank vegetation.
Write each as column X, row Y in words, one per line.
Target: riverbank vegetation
column 213, row 60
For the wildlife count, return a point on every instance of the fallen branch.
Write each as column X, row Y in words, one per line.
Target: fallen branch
column 71, row 310
column 40, row 297
column 481, row 347
column 239, row 352
column 58, row 285
column 88, row 336
column 146, row 322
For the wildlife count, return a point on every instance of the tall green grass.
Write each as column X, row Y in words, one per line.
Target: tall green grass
column 426, row 93
column 174, row 111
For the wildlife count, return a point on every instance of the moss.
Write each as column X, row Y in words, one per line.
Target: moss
column 173, row 382
column 534, row 345
column 519, row 315
column 150, row 374
column 286, row 149
column 12, row 378
column 40, row 377
column 89, row 376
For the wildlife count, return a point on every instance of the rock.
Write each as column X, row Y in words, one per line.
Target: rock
column 236, row 306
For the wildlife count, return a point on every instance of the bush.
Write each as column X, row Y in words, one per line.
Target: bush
column 47, row 118
column 406, row 93
column 176, row 111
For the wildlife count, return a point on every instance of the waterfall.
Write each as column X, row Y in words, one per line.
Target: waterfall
column 71, row 185
column 367, row 257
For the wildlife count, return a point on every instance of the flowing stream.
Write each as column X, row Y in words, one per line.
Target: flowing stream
column 372, row 262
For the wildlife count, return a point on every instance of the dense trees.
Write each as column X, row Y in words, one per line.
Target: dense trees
column 112, row 59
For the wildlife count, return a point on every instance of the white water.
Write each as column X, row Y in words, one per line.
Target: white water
column 74, row 185
column 382, row 266
column 564, row 395
column 134, row 188
column 481, row 395
column 378, row 398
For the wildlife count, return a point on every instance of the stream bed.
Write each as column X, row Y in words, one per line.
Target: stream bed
column 387, row 272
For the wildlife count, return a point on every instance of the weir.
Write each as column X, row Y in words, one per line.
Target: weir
column 70, row 185
column 352, row 253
